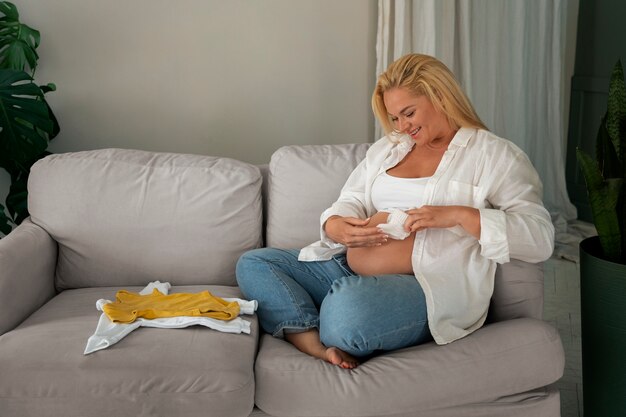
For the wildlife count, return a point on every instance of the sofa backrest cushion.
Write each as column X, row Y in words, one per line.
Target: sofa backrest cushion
column 303, row 182
column 518, row 291
column 126, row 217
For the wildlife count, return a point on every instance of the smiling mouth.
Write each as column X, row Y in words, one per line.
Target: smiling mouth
column 414, row 132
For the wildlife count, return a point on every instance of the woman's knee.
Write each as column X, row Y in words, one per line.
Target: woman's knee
column 245, row 262
column 251, row 256
column 251, row 265
column 253, row 260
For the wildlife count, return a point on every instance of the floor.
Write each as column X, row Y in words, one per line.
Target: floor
column 562, row 309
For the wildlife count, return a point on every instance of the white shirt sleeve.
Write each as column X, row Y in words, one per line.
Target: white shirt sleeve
column 518, row 226
column 351, row 201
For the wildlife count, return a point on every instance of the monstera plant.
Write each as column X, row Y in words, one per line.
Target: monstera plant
column 605, row 175
column 27, row 123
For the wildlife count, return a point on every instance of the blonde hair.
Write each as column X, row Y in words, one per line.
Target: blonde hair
column 427, row 76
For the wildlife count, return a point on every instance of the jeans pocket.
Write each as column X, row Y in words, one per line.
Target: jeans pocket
column 342, row 261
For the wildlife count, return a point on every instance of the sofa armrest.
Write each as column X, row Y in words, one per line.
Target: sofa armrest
column 28, row 257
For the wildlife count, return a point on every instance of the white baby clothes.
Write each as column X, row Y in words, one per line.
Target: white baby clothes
column 395, row 224
column 108, row 333
column 164, row 287
column 245, row 306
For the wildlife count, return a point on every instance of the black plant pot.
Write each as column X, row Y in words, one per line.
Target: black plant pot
column 603, row 326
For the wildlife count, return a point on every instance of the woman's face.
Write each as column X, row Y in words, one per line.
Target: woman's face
column 417, row 117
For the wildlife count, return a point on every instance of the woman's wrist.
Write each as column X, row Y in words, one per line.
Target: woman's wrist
column 470, row 220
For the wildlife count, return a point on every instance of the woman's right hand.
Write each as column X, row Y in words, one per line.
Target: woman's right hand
column 353, row 232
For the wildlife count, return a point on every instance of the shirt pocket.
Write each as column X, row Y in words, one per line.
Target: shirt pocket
column 463, row 194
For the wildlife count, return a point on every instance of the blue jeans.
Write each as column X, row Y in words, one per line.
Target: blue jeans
column 357, row 314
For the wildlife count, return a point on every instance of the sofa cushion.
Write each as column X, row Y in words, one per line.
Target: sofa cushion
column 125, row 217
column 498, row 360
column 542, row 402
column 517, row 292
column 165, row 372
column 303, row 182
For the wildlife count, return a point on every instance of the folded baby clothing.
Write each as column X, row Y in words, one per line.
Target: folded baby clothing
column 109, row 332
column 395, row 224
column 129, row 306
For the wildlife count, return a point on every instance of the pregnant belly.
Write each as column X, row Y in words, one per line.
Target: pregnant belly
column 393, row 257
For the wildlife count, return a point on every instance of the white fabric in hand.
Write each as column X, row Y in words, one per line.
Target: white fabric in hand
column 395, row 224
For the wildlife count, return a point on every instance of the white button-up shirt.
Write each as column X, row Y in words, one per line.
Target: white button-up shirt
column 455, row 270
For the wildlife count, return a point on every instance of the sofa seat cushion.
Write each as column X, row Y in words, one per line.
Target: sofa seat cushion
column 194, row 371
column 499, row 360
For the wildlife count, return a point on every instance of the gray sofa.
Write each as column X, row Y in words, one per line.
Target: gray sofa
column 111, row 219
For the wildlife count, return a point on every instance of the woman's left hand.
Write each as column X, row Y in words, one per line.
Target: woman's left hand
column 444, row 216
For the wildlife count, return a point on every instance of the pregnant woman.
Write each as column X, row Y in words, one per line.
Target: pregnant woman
column 408, row 252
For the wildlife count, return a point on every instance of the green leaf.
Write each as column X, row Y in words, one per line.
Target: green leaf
column 6, row 225
column 606, row 154
column 19, row 56
column 603, row 198
column 18, row 42
column 48, row 87
column 17, row 199
column 55, row 123
column 25, row 121
column 591, row 170
column 616, row 108
column 10, row 12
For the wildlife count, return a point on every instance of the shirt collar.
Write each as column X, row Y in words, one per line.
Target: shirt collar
column 462, row 136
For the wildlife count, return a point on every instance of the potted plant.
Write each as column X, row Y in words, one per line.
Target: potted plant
column 603, row 262
column 27, row 122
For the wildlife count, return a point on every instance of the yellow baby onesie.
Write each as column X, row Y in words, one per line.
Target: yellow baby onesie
column 129, row 306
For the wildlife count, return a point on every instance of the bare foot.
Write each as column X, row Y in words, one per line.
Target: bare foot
column 340, row 358
column 309, row 343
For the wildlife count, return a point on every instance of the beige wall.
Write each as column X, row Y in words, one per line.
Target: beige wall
column 236, row 78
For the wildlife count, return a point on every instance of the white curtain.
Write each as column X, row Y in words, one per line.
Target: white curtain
column 509, row 57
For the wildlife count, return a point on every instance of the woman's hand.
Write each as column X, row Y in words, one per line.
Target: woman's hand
column 353, row 232
column 444, row 216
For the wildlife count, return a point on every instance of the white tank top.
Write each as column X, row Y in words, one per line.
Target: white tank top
column 401, row 193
